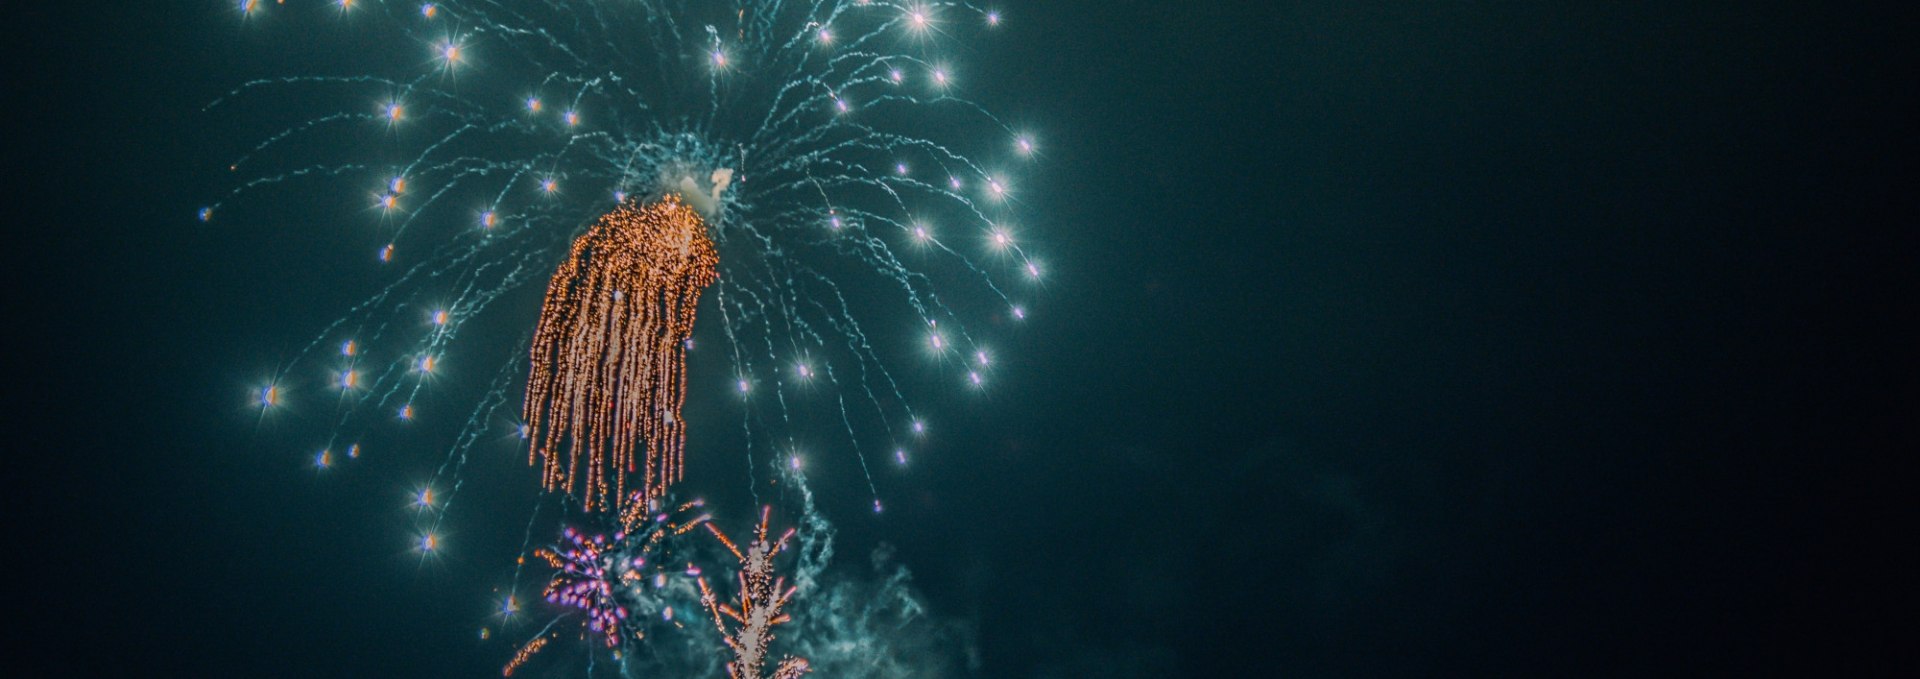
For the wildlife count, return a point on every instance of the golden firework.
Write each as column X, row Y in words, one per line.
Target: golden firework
column 609, row 355
column 525, row 653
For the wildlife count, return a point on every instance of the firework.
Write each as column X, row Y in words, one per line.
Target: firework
column 756, row 609
column 609, row 358
column 610, row 580
column 585, row 576
column 809, row 172
column 861, row 212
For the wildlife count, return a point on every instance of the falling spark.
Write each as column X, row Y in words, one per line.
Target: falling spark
column 609, row 355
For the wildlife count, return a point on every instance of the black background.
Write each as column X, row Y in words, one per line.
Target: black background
column 1382, row 339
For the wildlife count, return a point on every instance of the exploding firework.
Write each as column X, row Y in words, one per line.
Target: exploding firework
column 609, row 358
column 861, row 212
column 617, row 582
column 756, row 609
column 586, row 573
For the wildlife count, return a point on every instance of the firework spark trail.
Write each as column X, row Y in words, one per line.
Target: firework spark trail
column 525, row 653
column 609, row 357
column 496, row 398
column 756, row 608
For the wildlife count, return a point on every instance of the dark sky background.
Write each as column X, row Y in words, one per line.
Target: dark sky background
column 1383, row 339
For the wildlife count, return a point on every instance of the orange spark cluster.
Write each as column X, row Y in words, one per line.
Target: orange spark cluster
column 609, row 355
column 521, row 656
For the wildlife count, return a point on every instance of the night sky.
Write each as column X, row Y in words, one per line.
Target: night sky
column 1381, row 339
